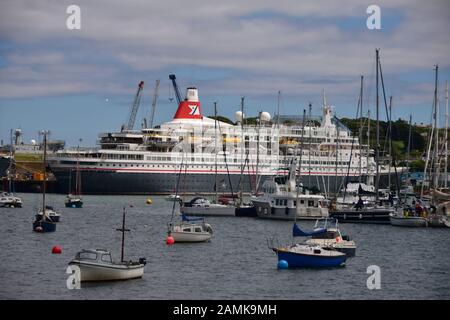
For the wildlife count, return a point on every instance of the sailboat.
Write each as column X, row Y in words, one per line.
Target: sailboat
column 73, row 200
column 366, row 210
column 8, row 199
column 98, row 265
column 188, row 229
column 200, row 206
column 299, row 255
column 46, row 218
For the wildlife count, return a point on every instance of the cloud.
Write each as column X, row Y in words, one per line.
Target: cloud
column 266, row 45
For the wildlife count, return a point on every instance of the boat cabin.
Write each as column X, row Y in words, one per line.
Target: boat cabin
column 94, row 255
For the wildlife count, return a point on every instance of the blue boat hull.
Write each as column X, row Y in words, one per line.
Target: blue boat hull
column 74, row 204
column 296, row 260
column 44, row 226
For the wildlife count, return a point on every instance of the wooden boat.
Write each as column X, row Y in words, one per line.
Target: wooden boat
column 98, row 265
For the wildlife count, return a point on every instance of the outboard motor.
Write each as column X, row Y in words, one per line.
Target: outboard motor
column 142, row 261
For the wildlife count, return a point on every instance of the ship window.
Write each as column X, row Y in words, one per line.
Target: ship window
column 310, row 203
column 186, row 230
column 87, row 256
column 295, row 203
column 106, row 258
column 302, row 201
column 198, row 229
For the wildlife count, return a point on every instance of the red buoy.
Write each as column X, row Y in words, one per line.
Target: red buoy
column 56, row 250
column 39, row 229
column 170, row 240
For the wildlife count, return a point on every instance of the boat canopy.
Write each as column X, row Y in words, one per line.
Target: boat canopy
column 297, row 232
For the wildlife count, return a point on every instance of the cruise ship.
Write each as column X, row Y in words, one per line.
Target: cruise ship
column 213, row 156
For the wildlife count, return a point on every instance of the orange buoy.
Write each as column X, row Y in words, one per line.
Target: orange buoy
column 170, row 240
column 56, row 250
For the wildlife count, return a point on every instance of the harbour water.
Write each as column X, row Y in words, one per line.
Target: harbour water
column 236, row 264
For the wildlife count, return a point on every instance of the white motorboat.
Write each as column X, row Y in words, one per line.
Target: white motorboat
column 403, row 218
column 190, row 230
column 97, row 265
column 282, row 199
column 203, row 207
column 173, row 197
column 9, row 200
column 332, row 237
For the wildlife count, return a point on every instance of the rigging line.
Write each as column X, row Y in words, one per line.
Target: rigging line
column 176, row 190
column 225, row 159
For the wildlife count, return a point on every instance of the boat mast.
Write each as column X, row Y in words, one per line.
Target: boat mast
column 258, row 124
column 390, row 141
column 436, row 142
column 309, row 142
column 123, row 235
column 299, row 174
column 77, row 176
column 44, row 132
column 369, row 180
column 242, row 152
column 446, row 134
column 377, row 153
column 360, row 127
column 215, row 152
column 336, row 191
column 278, row 128
column 10, row 162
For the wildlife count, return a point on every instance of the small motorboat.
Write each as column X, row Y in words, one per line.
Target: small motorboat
column 404, row 218
column 73, row 201
column 50, row 213
column 332, row 237
column 190, row 230
column 203, row 207
column 173, row 197
column 9, row 200
column 312, row 256
column 97, row 265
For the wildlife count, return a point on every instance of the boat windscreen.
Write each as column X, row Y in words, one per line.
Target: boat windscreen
column 297, row 232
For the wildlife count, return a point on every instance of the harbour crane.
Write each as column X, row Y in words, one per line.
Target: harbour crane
column 175, row 87
column 155, row 98
column 134, row 108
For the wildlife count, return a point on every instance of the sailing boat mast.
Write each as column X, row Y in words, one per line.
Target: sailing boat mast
column 215, row 152
column 242, row 152
column 436, row 142
column 377, row 153
column 390, row 141
column 299, row 174
column 11, row 152
column 446, row 135
column 44, row 182
column 360, row 127
column 258, row 124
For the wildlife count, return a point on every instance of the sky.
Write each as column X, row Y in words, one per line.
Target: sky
column 78, row 83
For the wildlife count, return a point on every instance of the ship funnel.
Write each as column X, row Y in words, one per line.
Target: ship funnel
column 190, row 107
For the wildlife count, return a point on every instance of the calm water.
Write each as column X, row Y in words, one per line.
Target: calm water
column 236, row 264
